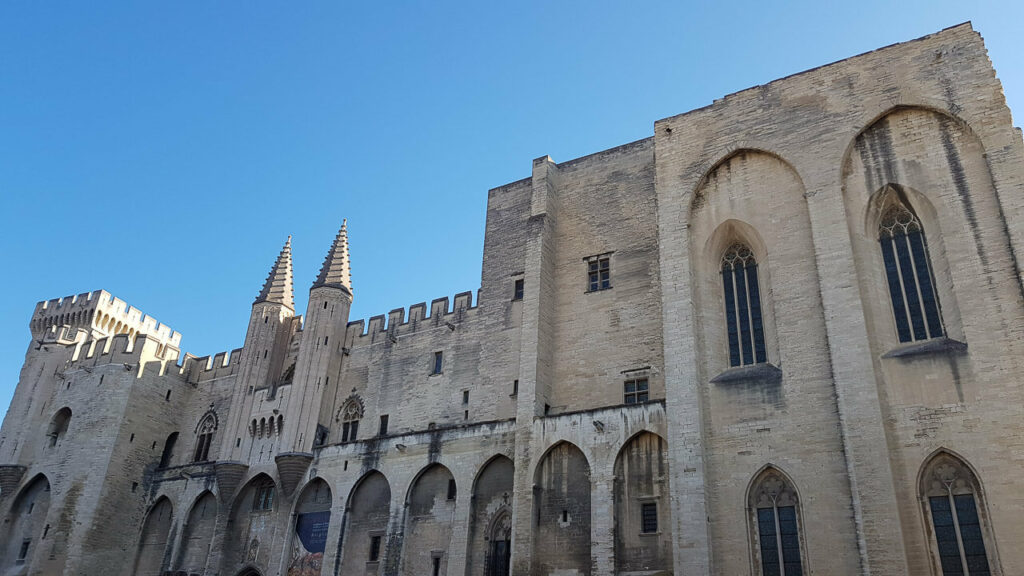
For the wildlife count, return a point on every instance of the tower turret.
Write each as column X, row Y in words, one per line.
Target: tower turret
column 318, row 368
column 271, row 325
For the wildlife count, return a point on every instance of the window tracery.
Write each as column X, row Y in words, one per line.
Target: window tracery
column 951, row 494
column 773, row 508
column 908, row 272
column 743, row 318
column 349, row 415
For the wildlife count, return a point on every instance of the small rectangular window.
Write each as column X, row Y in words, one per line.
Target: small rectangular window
column 598, row 273
column 451, row 488
column 649, row 517
column 517, row 291
column 437, row 566
column 465, row 396
column 374, row 548
column 23, row 551
column 383, row 425
column 635, row 391
column 438, row 362
column 515, row 387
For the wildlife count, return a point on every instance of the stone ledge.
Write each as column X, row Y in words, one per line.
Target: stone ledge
column 933, row 347
column 764, row 373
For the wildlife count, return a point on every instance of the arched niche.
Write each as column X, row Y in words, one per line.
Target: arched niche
column 310, row 524
column 25, row 527
column 430, row 511
column 561, row 500
column 643, row 528
column 251, row 525
column 366, row 524
column 198, row 534
column 59, row 425
column 939, row 167
column 490, row 520
column 754, row 199
column 151, row 556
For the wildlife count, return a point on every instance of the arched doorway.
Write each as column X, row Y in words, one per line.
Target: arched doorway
column 490, row 530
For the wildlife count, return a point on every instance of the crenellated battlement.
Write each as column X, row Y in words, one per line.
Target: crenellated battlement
column 99, row 312
column 398, row 323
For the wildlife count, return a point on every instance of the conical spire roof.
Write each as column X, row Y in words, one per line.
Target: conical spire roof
column 336, row 271
column 278, row 287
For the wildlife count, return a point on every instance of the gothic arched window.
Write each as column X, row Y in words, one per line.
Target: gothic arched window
column 204, row 437
column 951, row 497
column 349, row 415
column 908, row 272
column 775, row 525
column 744, row 323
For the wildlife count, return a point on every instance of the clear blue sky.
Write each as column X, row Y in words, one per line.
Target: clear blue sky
column 163, row 151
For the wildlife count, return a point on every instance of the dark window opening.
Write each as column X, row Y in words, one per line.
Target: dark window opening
column 956, row 519
column 135, row 486
column 438, row 362
column 23, row 551
column 46, row 530
column 515, row 387
column 649, row 517
column 264, row 499
column 565, row 515
column 168, row 453
column 437, row 566
column 131, row 438
column 451, row 488
column 325, row 340
column 779, row 540
column 465, row 415
column 598, row 273
column 517, row 291
column 168, row 395
column 465, row 396
column 635, row 391
column 744, row 323
column 325, row 305
column 908, row 273
column 349, row 430
column 202, row 451
column 383, row 425
column 374, row 548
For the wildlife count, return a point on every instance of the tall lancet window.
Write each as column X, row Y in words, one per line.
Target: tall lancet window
column 951, row 494
column 908, row 272
column 773, row 507
column 744, row 323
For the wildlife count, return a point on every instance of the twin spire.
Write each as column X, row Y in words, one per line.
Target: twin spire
column 278, row 287
column 336, row 272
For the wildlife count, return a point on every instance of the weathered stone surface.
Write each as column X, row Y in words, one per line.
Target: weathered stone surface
column 570, row 427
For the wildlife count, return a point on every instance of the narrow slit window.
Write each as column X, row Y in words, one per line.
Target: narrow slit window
column 743, row 320
column 438, row 362
column 908, row 274
column 383, row 425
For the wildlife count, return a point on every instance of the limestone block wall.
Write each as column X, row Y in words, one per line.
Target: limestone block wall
column 931, row 95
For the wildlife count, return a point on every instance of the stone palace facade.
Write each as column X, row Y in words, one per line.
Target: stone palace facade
column 784, row 334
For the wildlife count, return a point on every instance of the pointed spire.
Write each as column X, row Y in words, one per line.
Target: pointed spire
column 278, row 287
column 336, row 271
